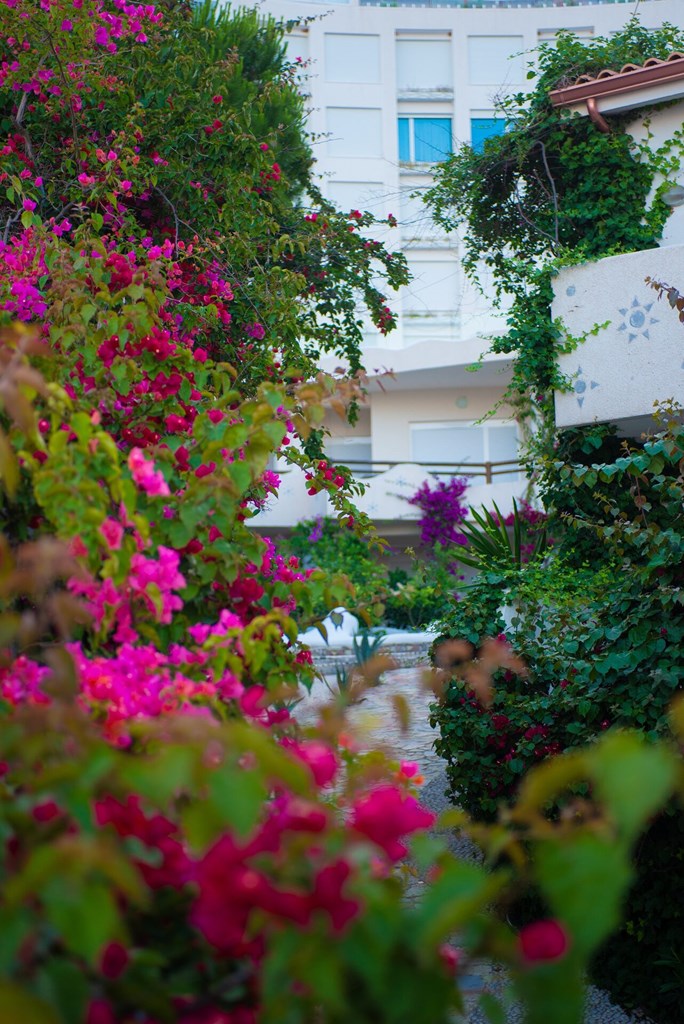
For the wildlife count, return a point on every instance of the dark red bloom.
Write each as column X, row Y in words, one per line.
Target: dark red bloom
column 155, row 831
column 327, row 894
column 46, row 811
column 100, row 1012
column 386, row 815
column 543, row 940
column 114, row 960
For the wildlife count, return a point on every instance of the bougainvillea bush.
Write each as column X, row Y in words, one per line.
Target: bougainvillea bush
column 173, row 847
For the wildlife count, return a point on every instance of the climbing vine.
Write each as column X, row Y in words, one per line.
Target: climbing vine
column 553, row 191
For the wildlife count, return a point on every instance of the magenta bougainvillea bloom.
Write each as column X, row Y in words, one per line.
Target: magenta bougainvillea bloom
column 443, row 512
column 386, row 815
column 543, row 940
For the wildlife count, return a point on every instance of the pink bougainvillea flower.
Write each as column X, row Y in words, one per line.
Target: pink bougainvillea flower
column 146, row 477
column 450, row 957
column 542, row 941
column 319, row 758
column 327, row 894
column 155, row 831
column 112, row 533
column 386, row 815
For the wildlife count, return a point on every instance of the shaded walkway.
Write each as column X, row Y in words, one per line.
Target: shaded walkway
column 377, row 724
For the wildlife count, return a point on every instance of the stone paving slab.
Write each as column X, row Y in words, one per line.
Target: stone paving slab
column 406, row 655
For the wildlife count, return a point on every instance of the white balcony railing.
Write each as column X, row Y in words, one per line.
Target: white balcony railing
column 388, row 486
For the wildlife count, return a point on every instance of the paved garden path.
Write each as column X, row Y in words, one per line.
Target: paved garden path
column 376, row 724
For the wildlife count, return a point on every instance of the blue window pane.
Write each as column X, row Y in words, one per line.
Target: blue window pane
column 404, row 145
column 482, row 128
column 432, row 139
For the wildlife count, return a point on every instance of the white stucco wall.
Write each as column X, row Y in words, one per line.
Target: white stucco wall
column 393, row 413
column 656, row 129
column 638, row 357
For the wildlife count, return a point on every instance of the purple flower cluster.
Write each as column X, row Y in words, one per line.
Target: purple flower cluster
column 442, row 511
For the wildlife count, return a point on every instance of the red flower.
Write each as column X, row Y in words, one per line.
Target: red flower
column 230, row 890
column 386, row 815
column 327, row 894
column 543, row 940
column 114, row 960
column 156, row 831
column 318, row 757
column 46, row 811
column 450, row 957
column 100, row 1012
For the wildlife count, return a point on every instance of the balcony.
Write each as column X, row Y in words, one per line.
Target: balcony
column 470, row 5
column 635, row 357
column 388, row 486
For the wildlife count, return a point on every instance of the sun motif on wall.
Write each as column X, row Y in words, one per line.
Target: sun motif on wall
column 581, row 385
column 637, row 320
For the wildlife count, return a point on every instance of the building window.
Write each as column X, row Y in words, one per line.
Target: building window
column 459, row 444
column 495, row 60
column 358, row 195
column 354, row 131
column 297, row 47
column 352, row 58
column 482, row 128
column 424, row 140
column 550, row 35
column 354, row 452
column 434, row 287
column 424, row 66
column 415, row 221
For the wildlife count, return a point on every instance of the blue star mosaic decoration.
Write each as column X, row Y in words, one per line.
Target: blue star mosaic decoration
column 581, row 384
column 637, row 320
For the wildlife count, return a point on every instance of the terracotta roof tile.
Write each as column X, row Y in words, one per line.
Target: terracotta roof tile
column 652, row 62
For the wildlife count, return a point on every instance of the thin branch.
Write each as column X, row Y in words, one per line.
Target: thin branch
column 65, row 83
column 173, row 208
column 19, row 117
column 531, row 222
column 8, row 225
column 539, row 143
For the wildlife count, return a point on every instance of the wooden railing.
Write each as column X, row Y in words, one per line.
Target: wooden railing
column 487, row 4
column 488, row 470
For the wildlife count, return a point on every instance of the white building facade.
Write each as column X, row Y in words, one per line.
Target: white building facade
column 392, row 89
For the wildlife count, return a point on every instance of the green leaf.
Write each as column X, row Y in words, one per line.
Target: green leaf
column 553, row 993
column 492, row 1008
column 238, row 797
column 460, row 891
column 632, row 777
column 85, row 914
column 63, row 984
column 20, row 1007
column 545, row 781
column 88, row 311
column 584, row 878
column 9, row 467
column 15, row 924
column 162, row 776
